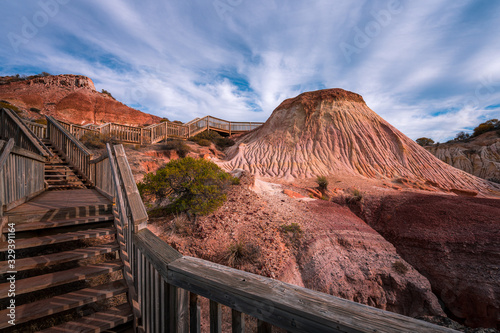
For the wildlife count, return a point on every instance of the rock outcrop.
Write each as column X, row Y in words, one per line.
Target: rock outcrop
column 334, row 132
column 479, row 156
column 70, row 98
column 452, row 241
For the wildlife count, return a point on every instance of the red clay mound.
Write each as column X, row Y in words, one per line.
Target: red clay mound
column 70, row 98
column 452, row 241
column 334, row 132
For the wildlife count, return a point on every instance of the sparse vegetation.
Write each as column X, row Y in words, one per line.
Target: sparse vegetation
column 343, row 242
column 425, row 141
column 104, row 91
column 293, row 231
column 494, row 180
column 212, row 136
column 95, row 140
column 35, row 110
column 235, row 181
column 241, row 252
column 41, row 121
column 399, row 267
column 179, row 146
column 322, row 182
column 204, row 143
column 194, row 186
column 487, row 126
column 462, row 136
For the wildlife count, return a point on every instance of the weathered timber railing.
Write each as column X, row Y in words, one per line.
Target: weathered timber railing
column 162, row 131
column 11, row 126
column 101, row 176
column 21, row 175
column 165, row 287
column 72, row 149
column 39, row 130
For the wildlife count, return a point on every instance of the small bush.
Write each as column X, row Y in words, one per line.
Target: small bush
column 35, row 110
column 204, row 143
column 41, row 121
column 94, row 140
column 293, row 230
column 240, row 253
column 400, row 267
column 181, row 225
column 7, row 105
column 104, row 91
column 179, row 146
column 322, row 182
column 235, row 181
column 425, row 141
column 343, row 242
column 461, row 136
column 212, row 136
column 194, row 186
column 487, row 126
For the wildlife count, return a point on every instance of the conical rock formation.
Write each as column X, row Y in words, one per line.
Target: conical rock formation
column 334, row 132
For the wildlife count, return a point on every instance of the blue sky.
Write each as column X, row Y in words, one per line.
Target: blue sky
column 429, row 67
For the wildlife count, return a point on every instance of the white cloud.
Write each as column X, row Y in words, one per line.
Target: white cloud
column 181, row 60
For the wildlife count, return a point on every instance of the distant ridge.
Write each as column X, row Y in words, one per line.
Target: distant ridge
column 71, row 98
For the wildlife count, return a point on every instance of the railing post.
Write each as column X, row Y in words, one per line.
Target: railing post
column 166, row 130
column 140, row 139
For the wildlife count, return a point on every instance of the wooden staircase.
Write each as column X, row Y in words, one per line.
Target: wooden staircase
column 59, row 175
column 67, row 270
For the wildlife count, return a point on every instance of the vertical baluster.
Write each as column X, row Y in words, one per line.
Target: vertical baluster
column 215, row 317
column 238, row 321
column 263, row 327
column 194, row 313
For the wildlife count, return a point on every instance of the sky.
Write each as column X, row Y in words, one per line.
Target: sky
column 429, row 67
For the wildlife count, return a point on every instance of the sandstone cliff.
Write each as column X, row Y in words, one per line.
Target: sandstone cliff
column 71, row 98
column 334, row 132
column 479, row 156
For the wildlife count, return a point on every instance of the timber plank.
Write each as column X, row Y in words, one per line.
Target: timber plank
column 59, row 238
column 290, row 307
column 59, row 258
column 97, row 322
column 49, row 306
column 61, row 223
column 40, row 282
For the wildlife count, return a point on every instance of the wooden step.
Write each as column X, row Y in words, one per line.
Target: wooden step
column 46, row 307
column 59, row 238
column 60, row 213
column 97, row 322
column 58, row 258
column 50, row 280
column 60, row 223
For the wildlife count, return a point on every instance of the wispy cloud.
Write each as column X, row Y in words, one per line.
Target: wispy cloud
column 431, row 68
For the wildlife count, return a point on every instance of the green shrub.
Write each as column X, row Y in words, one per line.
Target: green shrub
column 104, row 91
column 425, row 141
column 212, row 136
column 94, row 140
column 487, row 126
column 41, row 121
column 194, row 186
column 179, row 146
column 204, row 143
column 400, row 267
column 235, row 181
column 322, row 182
column 293, row 230
column 461, row 136
column 240, row 253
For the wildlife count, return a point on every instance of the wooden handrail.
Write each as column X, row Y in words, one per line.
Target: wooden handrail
column 72, row 149
column 11, row 126
column 166, row 286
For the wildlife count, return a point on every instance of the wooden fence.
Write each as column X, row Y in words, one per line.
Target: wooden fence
column 166, row 287
column 21, row 175
column 72, row 149
column 152, row 133
column 11, row 126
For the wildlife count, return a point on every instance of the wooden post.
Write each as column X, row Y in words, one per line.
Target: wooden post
column 166, row 130
column 140, row 140
column 194, row 313
column 215, row 317
column 238, row 321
